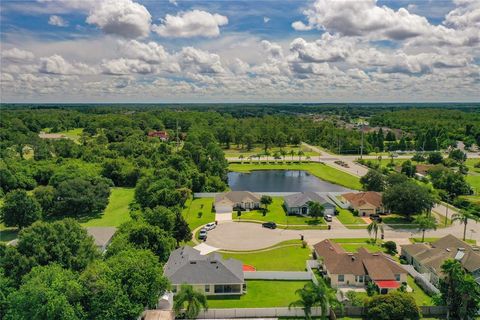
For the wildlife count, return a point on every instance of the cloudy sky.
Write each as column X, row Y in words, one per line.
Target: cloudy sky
column 239, row 51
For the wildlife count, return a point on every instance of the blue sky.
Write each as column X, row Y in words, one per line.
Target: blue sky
column 202, row 51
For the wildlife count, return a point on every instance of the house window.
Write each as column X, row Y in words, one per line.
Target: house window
column 207, row 288
column 359, row 279
column 341, row 278
column 228, row 288
column 397, row 277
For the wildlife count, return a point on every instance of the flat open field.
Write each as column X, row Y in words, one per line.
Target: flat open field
column 117, row 211
column 235, row 152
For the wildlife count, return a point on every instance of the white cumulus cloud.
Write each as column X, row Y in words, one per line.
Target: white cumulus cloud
column 58, row 21
column 124, row 18
column 195, row 23
column 17, row 55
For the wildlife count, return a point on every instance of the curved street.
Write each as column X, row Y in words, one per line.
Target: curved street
column 251, row 236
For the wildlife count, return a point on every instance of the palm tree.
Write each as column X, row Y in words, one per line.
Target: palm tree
column 313, row 295
column 267, row 154
column 425, row 222
column 463, row 216
column 300, row 154
column 292, row 153
column 373, row 227
column 283, row 153
column 308, row 158
column 194, row 300
column 241, row 158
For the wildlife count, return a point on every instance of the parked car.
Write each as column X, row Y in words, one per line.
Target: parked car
column 210, row 226
column 328, row 217
column 269, row 225
column 376, row 217
column 203, row 234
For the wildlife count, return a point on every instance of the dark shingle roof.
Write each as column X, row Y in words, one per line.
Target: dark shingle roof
column 300, row 199
column 187, row 265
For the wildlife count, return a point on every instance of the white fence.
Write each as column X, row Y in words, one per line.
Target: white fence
column 277, row 275
column 255, row 313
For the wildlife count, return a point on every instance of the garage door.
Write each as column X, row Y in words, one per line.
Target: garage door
column 330, row 211
column 222, row 208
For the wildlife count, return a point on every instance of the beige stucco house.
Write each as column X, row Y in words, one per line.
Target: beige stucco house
column 228, row 201
column 366, row 203
column 345, row 269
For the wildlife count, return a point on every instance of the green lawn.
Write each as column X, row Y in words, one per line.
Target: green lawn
column 73, row 134
column 319, row 170
column 418, row 294
column 193, row 207
column 277, row 214
column 260, row 294
column 235, row 152
column 117, row 211
column 289, row 258
column 352, row 245
column 346, row 217
column 7, row 234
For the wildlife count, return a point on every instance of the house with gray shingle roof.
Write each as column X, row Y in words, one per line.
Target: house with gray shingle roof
column 210, row 274
column 428, row 259
column 298, row 203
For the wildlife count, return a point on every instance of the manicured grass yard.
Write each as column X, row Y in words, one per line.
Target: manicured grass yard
column 277, row 214
column 117, row 211
column 346, row 217
column 260, row 294
column 319, row 170
column 352, row 245
column 193, row 207
column 289, row 258
column 418, row 294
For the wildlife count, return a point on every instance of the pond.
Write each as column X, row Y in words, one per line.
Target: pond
column 280, row 181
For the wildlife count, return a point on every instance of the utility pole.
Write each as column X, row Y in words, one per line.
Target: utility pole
column 177, row 136
column 361, row 147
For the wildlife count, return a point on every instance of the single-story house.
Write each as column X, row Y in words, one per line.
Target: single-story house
column 163, row 135
column 428, row 258
column 102, row 236
column 365, row 203
column 210, row 274
column 345, row 269
column 298, row 203
column 228, row 201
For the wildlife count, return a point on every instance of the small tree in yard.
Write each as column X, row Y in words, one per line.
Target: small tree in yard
column 373, row 228
column 265, row 201
column 373, row 181
column 393, row 306
column 425, row 222
column 190, row 301
column 391, row 247
column 315, row 209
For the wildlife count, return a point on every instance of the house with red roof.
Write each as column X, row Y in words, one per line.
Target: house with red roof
column 355, row 270
column 366, row 203
column 163, row 135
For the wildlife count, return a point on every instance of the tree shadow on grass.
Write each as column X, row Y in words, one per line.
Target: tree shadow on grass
column 8, row 235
